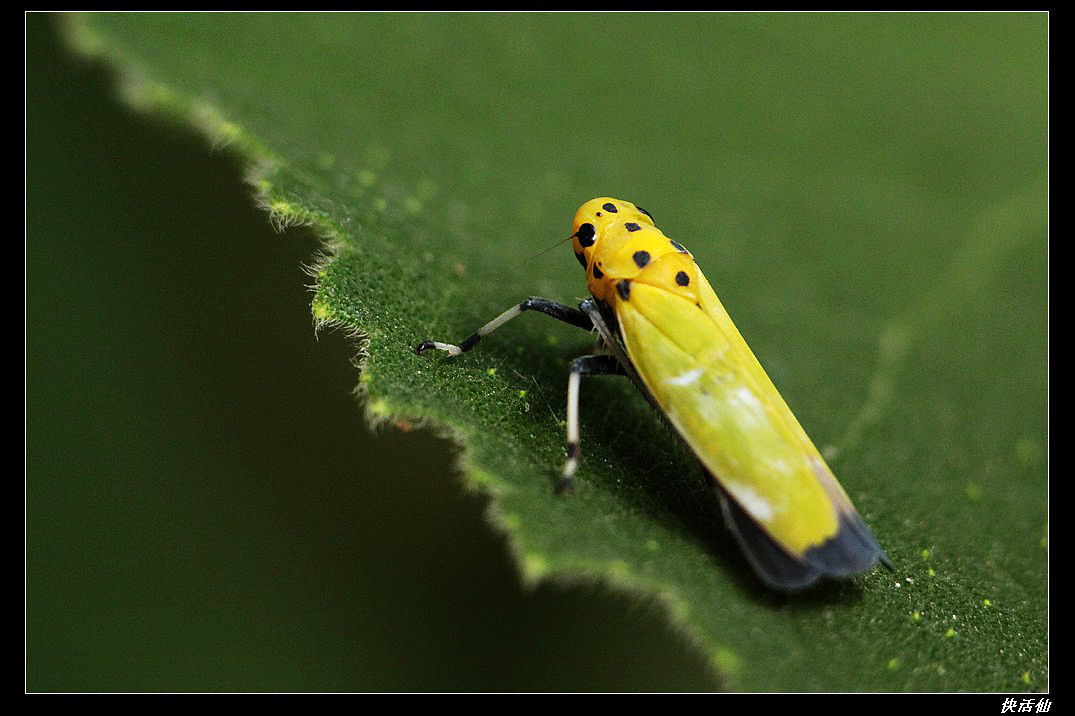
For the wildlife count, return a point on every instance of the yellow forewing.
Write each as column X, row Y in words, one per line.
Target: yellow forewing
column 707, row 381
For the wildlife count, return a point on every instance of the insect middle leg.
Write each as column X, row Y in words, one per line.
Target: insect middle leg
column 600, row 364
column 559, row 311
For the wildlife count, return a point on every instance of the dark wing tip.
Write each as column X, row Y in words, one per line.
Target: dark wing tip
column 886, row 562
column 773, row 565
column 852, row 550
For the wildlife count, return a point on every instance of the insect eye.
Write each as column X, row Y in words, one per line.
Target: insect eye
column 586, row 235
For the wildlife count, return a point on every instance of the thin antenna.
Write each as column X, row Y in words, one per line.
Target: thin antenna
column 544, row 251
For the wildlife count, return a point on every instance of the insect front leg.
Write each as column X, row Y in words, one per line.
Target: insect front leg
column 559, row 311
column 601, row 364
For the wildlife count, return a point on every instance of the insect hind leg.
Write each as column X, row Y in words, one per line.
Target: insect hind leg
column 600, row 364
column 559, row 311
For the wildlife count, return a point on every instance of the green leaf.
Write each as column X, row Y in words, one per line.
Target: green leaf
column 867, row 193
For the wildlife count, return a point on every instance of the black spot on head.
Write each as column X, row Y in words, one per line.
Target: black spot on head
column 581, row 257
column 641, row 258
column 677, row 246
column 599, row 213
column 598, row 273
column 610, row 208
column 682, row 278
column 586, row 235
column 644, row 212
column 624, row 289
column 632, row 226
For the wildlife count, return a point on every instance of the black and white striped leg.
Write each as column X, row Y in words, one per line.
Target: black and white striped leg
column 559, row 311
column 601, row 364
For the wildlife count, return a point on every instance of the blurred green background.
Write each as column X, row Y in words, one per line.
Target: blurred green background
column 205, row 506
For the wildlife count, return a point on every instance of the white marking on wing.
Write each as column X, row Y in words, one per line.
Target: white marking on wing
column 746, row 397
column 758, row 507
column 748, row 408
column 686, row 378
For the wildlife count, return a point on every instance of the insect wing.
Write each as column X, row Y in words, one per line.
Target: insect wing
column 712, row 389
